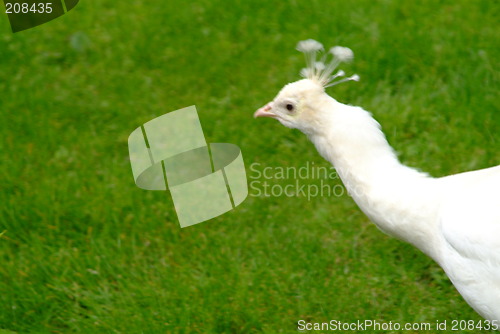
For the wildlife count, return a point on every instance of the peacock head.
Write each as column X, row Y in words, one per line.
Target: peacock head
column 298, row 104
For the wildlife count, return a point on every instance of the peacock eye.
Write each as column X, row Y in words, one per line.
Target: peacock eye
column 289, row 107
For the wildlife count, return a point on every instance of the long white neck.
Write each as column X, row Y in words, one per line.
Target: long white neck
column 398, row 199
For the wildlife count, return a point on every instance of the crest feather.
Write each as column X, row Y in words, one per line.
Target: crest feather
column 321, row 71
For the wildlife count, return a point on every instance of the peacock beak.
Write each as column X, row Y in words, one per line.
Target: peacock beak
column 265, row 111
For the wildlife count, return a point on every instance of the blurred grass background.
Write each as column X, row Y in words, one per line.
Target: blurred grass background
column 86, row 251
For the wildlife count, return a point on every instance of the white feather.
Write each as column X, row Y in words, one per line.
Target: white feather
column 320, row 71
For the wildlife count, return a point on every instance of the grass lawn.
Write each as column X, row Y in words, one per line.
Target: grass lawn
column 84, row 250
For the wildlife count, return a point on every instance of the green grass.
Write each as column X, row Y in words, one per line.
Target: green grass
column 86, row 251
